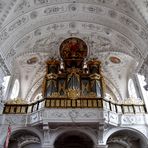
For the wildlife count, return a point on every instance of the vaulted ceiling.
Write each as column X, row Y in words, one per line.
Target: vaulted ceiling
column 114, row 30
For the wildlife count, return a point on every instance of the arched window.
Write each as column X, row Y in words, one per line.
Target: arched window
column 131, row 89
column 5, row 83
column 142, row 83
column 15, row 89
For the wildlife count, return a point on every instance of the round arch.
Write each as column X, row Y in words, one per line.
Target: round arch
column 85, row 131
column 125, row 131
column 74, row 138
column 26, row 137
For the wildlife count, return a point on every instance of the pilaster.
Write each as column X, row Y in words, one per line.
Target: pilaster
column 100, row 133
column 46, row 142
column 1, row 107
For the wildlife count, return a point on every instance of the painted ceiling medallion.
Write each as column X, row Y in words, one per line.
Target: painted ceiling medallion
column 32, row 60
column 73, row 48
column 73, row 51
column 115, row 60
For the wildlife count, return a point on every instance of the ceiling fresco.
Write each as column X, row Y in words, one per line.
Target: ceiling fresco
column 115, row 31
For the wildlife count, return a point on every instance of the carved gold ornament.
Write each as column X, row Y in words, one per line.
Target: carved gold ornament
column 17, row 101
column 132, row 101
column 92, row 95
column 103, row 85
column 73, row 93
column 94, row 62
column 74, row 70
column 51, row 76
column 95, row 76
column 55, row 95
column 53, row 62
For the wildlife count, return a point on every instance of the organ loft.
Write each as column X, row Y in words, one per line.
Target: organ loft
column 78, row 82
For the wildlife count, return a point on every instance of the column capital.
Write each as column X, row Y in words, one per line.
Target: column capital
column 45, row 127
column 47, row 143
column 102, row 146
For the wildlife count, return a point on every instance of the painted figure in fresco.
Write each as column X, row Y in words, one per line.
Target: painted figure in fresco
column 73, row 48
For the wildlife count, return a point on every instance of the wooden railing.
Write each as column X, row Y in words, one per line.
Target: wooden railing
column 124, row 108
column 74, row 103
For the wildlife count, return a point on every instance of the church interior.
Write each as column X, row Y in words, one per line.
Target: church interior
column 74, row 73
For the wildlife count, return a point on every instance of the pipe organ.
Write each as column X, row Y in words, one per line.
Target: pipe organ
column 77, row 79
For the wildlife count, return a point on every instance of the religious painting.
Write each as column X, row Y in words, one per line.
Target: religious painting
column 73, row 48
column 32, row 60
column 115, row 60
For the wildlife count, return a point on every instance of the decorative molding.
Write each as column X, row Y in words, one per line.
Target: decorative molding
column 111, row 117
column 15, row 119
column 60, row 8
column 136, row 5
column 3, row 66
column 6, row 10
column 27, row 139
column 132, row 120
column 17, row 101
column 75, row 116
column 144, row 71
column 67, row 115
column 23, row 4
column 18, row 23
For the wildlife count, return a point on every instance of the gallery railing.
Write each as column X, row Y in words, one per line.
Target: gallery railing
column 74, row 103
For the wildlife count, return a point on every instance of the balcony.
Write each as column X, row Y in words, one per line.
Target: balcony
column 81, row 110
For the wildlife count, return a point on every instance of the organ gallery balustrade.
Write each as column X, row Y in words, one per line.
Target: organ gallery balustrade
column 50, row 103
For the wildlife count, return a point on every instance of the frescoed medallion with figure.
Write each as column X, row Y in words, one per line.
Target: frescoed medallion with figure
column 73, row 48
column 73, row 51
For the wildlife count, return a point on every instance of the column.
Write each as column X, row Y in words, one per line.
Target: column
column 142, row 91
column 144, row 71
column 1, row 99
column 100, row 134
column 1, row 107
column 3, row 132
column 47, row 143
column 101, row 143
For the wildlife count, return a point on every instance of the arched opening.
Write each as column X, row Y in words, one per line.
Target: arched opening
column 73, row 140
column 132, row 89
column 24, row 139
column 15, row 89
column 126, row 139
